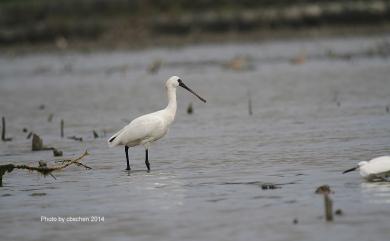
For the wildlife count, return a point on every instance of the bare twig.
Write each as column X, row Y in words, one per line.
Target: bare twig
column 42, row 167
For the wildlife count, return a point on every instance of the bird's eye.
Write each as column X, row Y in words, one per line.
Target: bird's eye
column 179, row 80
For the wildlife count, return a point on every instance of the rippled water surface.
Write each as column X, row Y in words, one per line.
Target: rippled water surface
column 310, row 122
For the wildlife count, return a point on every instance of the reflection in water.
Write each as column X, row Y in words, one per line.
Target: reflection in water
column 376, row 192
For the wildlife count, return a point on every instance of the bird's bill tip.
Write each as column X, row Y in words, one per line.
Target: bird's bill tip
column 181, row 84
column 350, row 170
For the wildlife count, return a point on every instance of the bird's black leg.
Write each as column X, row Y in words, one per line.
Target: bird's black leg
column 147, row 160
column 127, row 157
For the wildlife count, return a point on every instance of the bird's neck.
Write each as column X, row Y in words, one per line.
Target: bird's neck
column 172, row 105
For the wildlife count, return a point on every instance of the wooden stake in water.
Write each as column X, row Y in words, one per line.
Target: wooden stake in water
column 3, row 128
column 3, row 138
column 62, row 128
column 328, row 207
column 249, row 103
column 190, row 109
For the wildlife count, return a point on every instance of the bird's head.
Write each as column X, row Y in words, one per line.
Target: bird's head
column 175, row 82
column 359, row 165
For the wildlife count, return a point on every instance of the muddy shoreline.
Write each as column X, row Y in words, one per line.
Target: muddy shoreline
column 112, row 43
column 37, row 26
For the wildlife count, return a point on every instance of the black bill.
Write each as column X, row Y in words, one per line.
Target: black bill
column 350, row 170
column 181, row 84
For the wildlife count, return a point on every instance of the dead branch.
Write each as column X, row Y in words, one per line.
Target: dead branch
column 43, row 168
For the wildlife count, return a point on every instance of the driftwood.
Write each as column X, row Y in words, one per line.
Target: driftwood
column 43, row 168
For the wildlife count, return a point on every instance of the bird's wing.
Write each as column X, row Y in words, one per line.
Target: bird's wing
column 138, row 129
column 378, row 165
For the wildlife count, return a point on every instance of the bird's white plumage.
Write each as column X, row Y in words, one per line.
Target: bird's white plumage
column 146, row 128
column 150, row 127
column 376, row 168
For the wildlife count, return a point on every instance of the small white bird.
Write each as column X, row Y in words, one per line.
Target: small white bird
column 377, row 168
column 151, row 127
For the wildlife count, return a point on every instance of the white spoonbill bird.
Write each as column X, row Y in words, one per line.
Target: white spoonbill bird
column 377, row 168
column 150, row 127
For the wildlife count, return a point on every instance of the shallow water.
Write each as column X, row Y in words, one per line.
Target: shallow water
column 310, row 122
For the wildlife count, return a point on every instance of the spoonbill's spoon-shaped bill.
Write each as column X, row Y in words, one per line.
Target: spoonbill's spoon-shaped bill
column 181, row 84
column 377, row 168
column 150, row 127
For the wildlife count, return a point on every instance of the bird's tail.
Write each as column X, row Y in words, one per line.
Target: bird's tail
column 113, row 141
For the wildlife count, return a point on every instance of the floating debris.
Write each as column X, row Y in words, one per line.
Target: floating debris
column 25, row 130
column 56, row 152
column 29, row 135
column 50, row 117
column 75, row 138
column 35, row 194
column 328, row 204
column 387, row 109
column 269, row 186
column 62, row 128
column 190, row 109
column 42, row 107
column 42, row 167
column 95, row 134
column 154, row 67
column 295, row 221
column 339, row 212
column 3, row 138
